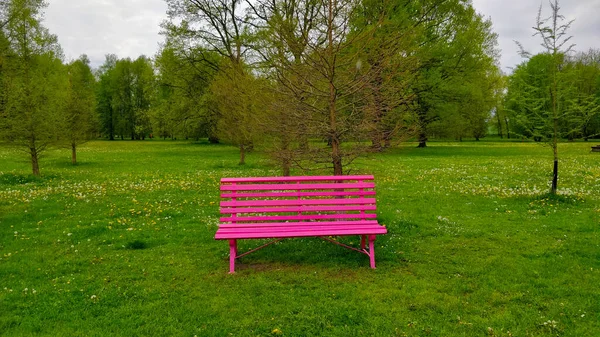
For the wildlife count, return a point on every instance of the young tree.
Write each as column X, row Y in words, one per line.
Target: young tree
column 33, row 81
column 79, row 118
column 548, row 113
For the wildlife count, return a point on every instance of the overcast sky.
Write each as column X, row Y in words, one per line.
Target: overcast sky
column 130, row 28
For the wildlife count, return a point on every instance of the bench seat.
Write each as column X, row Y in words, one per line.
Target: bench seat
column 288, row 207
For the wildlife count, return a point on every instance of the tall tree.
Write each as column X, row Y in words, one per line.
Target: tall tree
column 184, row 80
column 104, row 96
column 79, row 117
column 215, row 27
column 584, row 101
column 126, row 91
column 456, row 46
column 282, row 33
column 33, row 81
column 315, row 66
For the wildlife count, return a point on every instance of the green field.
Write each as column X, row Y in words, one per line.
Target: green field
column 122, row 244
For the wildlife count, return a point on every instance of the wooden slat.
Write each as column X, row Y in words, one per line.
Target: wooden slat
column 297, row 217
column 327, row 208
column 299, row 224
column 298, row 202
column 298, row 178
column 267, row 234
column 295, row 187
column 297, row 194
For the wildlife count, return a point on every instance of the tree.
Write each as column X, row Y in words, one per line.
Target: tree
column 184, row 80
column 545, row 99
column 219, row 27
column 584, row 101
column 33, row 81
column 126, row 91
column 457, row 45
column 312, row 56
column 104, row 96
column 79, row 118
column 242, row 114
column 281, row 38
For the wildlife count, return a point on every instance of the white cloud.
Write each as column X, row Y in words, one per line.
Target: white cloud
column 514, row 19
column 130, row 28
column 127, row 28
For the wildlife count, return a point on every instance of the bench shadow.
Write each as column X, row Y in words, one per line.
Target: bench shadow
column 312, row 251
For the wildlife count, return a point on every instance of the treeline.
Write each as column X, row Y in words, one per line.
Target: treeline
column 319, row 83
column 315, row 84
column 530, row 96
column 43, row 101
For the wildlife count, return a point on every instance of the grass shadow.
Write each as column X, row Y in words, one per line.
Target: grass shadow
column 15, row 179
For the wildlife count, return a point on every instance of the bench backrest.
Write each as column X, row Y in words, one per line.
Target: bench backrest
column 306, row 199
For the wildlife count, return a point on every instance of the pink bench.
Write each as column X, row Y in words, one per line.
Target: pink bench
column 289, row 207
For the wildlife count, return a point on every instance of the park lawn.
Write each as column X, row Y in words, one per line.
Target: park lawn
column 122, row 244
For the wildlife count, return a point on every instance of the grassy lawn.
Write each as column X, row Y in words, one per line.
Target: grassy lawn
column 122, row 244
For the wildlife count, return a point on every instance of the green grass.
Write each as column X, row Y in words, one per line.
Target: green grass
column 122, row 244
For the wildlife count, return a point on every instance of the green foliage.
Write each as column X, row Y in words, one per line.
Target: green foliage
column 80, row 120
column 457, row 69
column 540, row 89
column 475, row 246
column 33, row 82
column 126, row 91
column 181, row 107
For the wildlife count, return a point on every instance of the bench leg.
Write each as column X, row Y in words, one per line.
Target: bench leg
column 232, row 255
column 362, row 242
column 372, row 250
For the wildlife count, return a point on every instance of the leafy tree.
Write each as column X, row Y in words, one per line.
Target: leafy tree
column 311, row 52
column 33, row 81
column 282, row 34
column 584, row 101
column 104, row 96
column 215, row 27
column 389, row 55
column 243, row 121
column 457, row 46
column 183, row 80
column 126, row 91
column 79, row 118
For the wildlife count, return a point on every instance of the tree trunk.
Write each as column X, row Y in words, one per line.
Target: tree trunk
column 555, row 178
column 422, row 139
column 73, row 153
column 286, row 160
column 336, row 157
column 242, row 155
column 500, row 133
column 376, row 141
column 34, row 161
column 387, row 142
column 555, row 135
column 507, row 129
column 213, row 139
